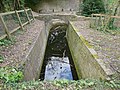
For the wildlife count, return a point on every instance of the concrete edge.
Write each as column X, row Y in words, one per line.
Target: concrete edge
column 33, row 61
column 100, row 62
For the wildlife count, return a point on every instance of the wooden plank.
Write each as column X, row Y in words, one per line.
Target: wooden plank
column 106, row 15
column 14, row 30
column 7, row 13
column 25, row 23
column 118, row 17
column 22, row 10
column 5, row 27
column 20, row 23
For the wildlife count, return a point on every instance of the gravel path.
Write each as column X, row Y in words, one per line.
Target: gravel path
column 24, row 39
column 105, row 44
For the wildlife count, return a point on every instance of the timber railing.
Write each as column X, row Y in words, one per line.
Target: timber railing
column 14, row 20
column 102, row 20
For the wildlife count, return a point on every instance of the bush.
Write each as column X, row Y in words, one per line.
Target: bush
column 10, row 75
column 92, row 6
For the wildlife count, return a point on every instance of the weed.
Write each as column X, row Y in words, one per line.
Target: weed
column 10, row 75
column 7, row 42
column 1, row 58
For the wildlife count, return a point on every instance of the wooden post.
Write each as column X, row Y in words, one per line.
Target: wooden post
column 92, row 21
column 32, row 14
column 27, row 15
column 20, row 23
column 96, row 21
column 102, row 21
column 106, row 23
column 99, row 21
column 6, row 29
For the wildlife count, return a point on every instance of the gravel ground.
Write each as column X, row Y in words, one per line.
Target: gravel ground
column 17, row 52
column 105, row 44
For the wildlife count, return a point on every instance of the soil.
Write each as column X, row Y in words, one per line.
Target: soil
column 13, row 54
column 107, row 45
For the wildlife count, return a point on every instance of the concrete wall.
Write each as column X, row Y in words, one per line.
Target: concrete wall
column 48, row 5
column 35, row 57
column 85, row 58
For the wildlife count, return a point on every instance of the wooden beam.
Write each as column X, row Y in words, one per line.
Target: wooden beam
column 103, row 15
column 8, row 13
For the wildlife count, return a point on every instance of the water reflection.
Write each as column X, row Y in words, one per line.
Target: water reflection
column 58, row 68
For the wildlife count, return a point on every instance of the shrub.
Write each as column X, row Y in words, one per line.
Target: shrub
column 92, row 6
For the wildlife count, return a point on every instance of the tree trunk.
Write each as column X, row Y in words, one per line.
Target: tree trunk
column 115, row 13
column 2, row 8
column 16, row 4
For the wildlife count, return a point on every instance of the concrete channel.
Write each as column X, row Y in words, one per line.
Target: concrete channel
column 84, row 57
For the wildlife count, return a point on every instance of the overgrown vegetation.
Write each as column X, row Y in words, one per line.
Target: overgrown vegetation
column 9, row 5
column 65, row 85
column 10, row 75
column 7, row 42
column 31, row 3
column 107, row 23
column 114, row 13
column 92, row 6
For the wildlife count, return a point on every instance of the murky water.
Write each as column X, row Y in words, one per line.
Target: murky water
column 58, row 62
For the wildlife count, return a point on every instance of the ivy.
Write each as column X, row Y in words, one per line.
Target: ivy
column 83, row 84
column 7, row 42
column 10, row 75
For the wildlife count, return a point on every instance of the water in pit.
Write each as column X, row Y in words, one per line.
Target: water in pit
column 58, row 63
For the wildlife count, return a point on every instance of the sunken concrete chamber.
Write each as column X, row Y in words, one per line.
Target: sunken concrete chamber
column 84, row 57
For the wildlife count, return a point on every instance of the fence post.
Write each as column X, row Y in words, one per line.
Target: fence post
column 92, row 21
column 19, row 20
column 6, row 29
column 27, row 15
column 32, row 14
column 102, row 22
column 106, row 23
